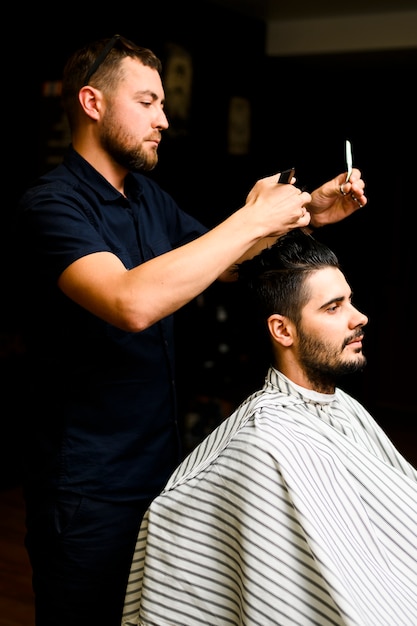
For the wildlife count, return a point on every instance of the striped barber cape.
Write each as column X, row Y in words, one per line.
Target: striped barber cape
column 296, row 511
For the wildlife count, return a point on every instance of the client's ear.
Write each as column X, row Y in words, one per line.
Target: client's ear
column 281, row 329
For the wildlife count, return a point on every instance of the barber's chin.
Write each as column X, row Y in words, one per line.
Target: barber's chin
column 151, row 161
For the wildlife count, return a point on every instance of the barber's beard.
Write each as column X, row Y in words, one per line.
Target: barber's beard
column 324, row 363
column 120, row 147
column 135, row 159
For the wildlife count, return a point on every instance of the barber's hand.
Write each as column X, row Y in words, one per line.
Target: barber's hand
column 277, row 208
column 337, row 199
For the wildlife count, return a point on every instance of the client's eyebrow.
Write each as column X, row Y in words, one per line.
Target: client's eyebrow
column 334, row 301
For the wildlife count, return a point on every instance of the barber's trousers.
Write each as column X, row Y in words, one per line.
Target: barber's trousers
column 80, row 551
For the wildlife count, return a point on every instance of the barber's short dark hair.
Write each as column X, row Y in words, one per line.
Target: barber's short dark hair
column 98, row 63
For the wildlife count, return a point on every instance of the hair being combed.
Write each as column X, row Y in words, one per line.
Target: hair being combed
column 275, row 279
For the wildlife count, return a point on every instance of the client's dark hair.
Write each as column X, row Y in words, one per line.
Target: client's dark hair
column 276, row 278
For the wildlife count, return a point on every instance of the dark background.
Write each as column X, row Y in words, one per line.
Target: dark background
column 302, row 110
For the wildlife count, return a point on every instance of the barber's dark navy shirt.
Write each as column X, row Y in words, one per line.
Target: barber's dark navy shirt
column 104, row 420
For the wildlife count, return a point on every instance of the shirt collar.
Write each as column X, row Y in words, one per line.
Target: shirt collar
column 85, row 172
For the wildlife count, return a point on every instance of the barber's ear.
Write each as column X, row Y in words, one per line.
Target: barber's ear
column 90, row 100
column 281, row 329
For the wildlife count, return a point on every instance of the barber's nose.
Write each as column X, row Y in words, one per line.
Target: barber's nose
column 162, row 121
